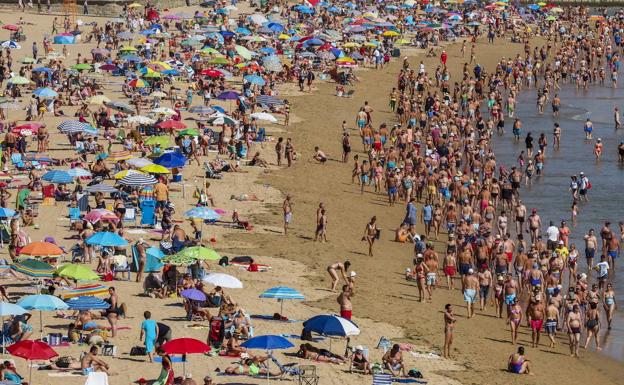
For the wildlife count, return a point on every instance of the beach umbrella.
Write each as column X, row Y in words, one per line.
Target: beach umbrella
column 171, row 160
column 185, row 346
column 33, row 268
column 199, row 253
column 90, row 289
column 82, row 67
column 171, row 124
column 268, row 100
column 212, row 73
column 137, row 83
column 189, row 132
column 138, row 180
column 100, row 99
column 101, row 187
column 282, row 293
column 97, row 215
column 10, row 27
column 19, row 80
column 228, row 95
column 79, row 172
column 9, row 309
column 267, row 342
column 223, row 280
column 62, row 39
column 255, row 79
column 155, row 169
column 139, row 119
column 193, row 294
column 123, row 173
column 42, row 249
column 218, row 61
column 142, row 162
column 201, row 212
column 73, row 126
column 77, row 272
column 201, row 110
column 105, row 238
column 11, row 44
column 42, row 302
column 6, row 212
column 331, row 325
column 243, row 52
column 158, row 94
column 131, row 58
column 264, row 116
column 87, row 302
column 30, row 351
column 57, row 176
column 45, row 93
column 100, row 51
column 164, row 111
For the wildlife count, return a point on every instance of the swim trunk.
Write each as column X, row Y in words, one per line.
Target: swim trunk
column 89, row 325
column 613, row 254
column 287, row 217
column 509, row 298
column 392, row 190
column 361, row 123
column 536, row 324
column 484, row 290
column 551, row 326
column 431, row 279
column 470, row 295
column 509, row 256
column 86, row 371
column 590, row 253
column 464, row 267
column 449, row 271
column 346, row 314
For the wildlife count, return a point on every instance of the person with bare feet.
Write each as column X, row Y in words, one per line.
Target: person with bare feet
column 592, row 325
column 573, row 323
column 514, row 319
column 552, row 320
column 333, row 270
column 370, row 234
column 449, row 325
column 344, row 300
column 91, row 363
column 470, row 285
column 518, row 363
column 535, row 319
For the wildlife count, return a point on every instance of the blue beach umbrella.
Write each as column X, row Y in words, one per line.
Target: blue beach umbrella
column 275, row 27
column 255, row 79
column 105, row 238
column 202, row 213
column 282, row 293
column 171, row 160
column 87, row 302
column 42, row 302
column 267, row 342
column 331, row 325
column 131, row 58
column 57, row 176
column 6, row 213
column 243, row 31
column 45, row 93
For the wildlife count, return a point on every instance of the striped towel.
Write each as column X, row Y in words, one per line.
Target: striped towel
column 382, row 379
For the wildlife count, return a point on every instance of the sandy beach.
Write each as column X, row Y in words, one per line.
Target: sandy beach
column 385, row 304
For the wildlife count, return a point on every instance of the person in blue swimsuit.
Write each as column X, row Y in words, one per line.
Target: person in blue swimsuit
column 149, row 330
column 518, row 363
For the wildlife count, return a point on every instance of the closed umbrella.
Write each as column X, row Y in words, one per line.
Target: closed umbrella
column 282, row 293
column 223, row 280
column 32, row 350
column 105, row 238
column 42, row 302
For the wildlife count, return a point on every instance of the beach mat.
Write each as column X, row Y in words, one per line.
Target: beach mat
column 269, row 317
column 408, row 381
column 64, row 374
column 298, row 337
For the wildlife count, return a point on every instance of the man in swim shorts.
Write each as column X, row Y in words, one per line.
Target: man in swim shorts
column 471, row 285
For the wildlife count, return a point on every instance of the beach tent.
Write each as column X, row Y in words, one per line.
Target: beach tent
column 152, row 262
column 64, row 39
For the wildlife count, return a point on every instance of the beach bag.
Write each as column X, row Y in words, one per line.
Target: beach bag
column 138, row 351
column 63, row 362
column 224, row 261
column 589, row 185
column 414, row 373
column 377, row 368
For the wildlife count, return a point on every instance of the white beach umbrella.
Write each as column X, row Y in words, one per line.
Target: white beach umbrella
column 264, row 116
column 223, row 280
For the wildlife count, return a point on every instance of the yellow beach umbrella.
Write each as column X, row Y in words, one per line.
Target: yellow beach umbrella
column 345, row 60
column 390, row 34
column 350, row 45
column 541, row 4
column 370, row 44
column 283, row 36
column 135, row 5
column 124, row 173
column 162, row 64
column 155, row 169
column 128, row 49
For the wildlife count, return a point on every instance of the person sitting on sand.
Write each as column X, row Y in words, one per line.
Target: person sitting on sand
column 393, row 361
column 91, row 363
column 9, row 374
column 518, row 363
column 359, row 360
column 401, row 233
column 251, row 366
column 319, row 155
column 20, row 329
column 310, row 352
column 258, row 161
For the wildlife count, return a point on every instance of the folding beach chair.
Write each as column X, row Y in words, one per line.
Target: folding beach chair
column 308, row 376
column 97, row 378
column 121, row 265
column 130, row 216
column 148, row 213
column 74, row 215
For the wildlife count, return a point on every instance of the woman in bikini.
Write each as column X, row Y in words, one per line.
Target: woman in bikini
column 310, row 352
column 518, row 363
column 370, row 234
column 515, row 317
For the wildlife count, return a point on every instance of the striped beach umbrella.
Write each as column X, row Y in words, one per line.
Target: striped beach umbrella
column 282, row 293
column 34, row 268
column 101, row 187
column 79, row 172
column 138, row 180
column 116, row 156
column 201, row 110
column 72, row 126
column 57, row 176
column 93, row 289
column 87, row 302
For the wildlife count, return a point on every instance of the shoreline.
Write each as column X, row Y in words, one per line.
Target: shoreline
column 483, row 361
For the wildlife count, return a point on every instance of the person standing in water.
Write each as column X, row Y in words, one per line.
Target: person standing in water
column 616, row 118
column 588, row 128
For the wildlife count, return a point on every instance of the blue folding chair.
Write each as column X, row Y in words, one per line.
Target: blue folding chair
column 148, row 213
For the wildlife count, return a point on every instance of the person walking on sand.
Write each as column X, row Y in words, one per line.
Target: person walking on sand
column 552, row 320
column 370, row 234
column 287, row 208
column 535, row 319
column 592, row 325
column 449, row 325
column 344, row 300
column 470, row 285
column 573, row 324
column 333, row 270
column 149, row 330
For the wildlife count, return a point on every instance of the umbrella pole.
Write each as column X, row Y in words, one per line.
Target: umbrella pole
column 29, row 371
column 281, row 307
column 41, row 324
column 3, row 339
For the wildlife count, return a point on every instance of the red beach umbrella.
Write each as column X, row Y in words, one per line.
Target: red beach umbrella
column 185, row 346
column 212, row 73
column 32, row 350
column 10, row 27
column 172, row 124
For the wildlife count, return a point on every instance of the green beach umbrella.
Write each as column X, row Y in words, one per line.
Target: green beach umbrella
column 208, row 50
column 189, row 131
column 199, row 253
column 218, row 60
column 152, row 75
column 28, row 60
column 162, row 140
column 34, row 268
column 177, row 260
column 82, row 66
column 19, row 80
column 77, row 272
column 243, row 52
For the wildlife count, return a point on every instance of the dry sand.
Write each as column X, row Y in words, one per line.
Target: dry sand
column 385, row 304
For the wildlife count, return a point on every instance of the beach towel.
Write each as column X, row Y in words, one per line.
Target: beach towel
column 173, row 359
column 408, row 381
column 64, row 374
column 97, row 378
column 269, row 317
